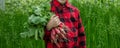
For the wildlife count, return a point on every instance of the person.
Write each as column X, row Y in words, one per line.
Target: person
column 68, row 24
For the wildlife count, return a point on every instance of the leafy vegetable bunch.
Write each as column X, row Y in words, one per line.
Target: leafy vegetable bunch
column 37, row 21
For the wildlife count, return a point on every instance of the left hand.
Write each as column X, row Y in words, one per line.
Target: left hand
column 58, row 34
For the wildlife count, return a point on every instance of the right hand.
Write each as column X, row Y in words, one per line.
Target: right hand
column 54, row 22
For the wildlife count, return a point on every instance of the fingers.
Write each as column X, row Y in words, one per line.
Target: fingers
column 57, row 31
column 56, row 19
column 54, row 38
column 52, row 16
column 60, row 34
column 66, row 28
column 62, row 30
column 54, row 22
column 56, row 43
column 53, row 35
column 63, row 35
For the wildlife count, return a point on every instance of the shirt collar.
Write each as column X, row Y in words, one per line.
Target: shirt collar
column 57, row 4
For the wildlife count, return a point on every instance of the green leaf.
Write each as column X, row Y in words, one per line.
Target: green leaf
column 41, row 33
column 24, row 34
column 34, row 19
column 36, row 34
column 31, row 32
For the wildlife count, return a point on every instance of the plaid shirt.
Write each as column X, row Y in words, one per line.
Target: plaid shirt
column 70, row 16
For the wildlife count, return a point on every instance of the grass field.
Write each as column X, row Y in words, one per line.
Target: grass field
column 100, row 18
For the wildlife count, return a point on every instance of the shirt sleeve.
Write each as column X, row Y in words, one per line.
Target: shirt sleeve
column 47, row 35
column 81, row 33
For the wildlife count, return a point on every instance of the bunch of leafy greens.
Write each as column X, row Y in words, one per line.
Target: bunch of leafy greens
column 37, row 21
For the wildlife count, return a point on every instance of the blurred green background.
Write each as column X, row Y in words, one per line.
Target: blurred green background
column 101, row 19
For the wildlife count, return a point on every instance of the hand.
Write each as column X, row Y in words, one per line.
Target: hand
column 57, row 34
column 54, row 22
column 54, row 38
column 62, row 25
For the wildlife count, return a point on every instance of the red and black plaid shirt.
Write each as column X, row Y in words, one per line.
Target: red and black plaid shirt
column 70, row 16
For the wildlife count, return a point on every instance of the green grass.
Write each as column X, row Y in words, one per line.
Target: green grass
column 101, row 21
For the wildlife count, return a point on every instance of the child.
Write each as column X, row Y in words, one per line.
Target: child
column 70, row 17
